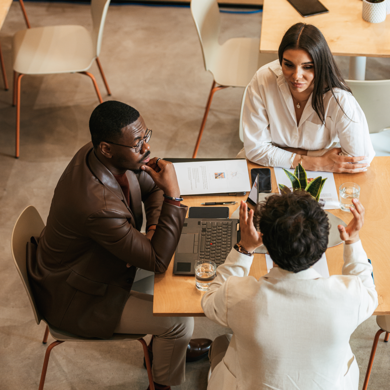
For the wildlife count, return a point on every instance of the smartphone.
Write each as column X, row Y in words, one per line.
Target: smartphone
column 308, row 7
column 254, row 193
column 264, row 179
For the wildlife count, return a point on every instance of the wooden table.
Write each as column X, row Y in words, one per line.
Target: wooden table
column 177, row 295
column 344, row 29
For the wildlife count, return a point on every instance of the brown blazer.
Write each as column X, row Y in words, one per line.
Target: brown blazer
column 80, row 280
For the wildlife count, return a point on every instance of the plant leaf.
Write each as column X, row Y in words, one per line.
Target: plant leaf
column 321, row 187
column 284, row 189
column 301, row 175
column 294, row 180
column 314, row 187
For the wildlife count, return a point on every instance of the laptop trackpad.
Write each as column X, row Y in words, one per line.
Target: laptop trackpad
column 186, row 243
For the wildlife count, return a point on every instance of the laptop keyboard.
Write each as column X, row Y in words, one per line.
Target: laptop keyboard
column 215, row 241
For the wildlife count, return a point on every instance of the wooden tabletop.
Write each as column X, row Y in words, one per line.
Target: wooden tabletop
column 4, row 8
column 343, row 27
column 177, row 295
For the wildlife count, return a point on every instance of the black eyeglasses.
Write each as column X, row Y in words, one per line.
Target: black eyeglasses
column 136, row 148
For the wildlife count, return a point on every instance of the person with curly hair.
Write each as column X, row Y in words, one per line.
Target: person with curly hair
column 291, row 328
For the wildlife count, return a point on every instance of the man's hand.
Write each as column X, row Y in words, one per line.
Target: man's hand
column 164, row 175
column 331, row 161
column 350, row 234
column 250, row 238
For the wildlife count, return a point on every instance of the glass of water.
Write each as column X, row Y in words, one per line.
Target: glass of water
column 348, row 192
column 205, row 271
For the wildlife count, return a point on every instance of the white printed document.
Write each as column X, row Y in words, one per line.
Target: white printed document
column 321, row 266
column 212, row 177
column 329, row 192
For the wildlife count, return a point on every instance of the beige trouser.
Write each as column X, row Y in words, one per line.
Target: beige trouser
column 218, row 349
column 172, row 335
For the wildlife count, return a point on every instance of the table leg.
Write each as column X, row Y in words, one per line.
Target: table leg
column 357, row 68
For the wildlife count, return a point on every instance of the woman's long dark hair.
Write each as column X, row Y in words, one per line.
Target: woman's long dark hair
column 326, row 73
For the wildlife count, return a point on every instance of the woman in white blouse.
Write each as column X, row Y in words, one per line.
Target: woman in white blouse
column 298, row 108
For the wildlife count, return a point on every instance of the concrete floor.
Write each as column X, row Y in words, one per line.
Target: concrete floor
column 153, row 61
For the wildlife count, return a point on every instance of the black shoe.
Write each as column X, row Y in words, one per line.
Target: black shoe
column 197, row 349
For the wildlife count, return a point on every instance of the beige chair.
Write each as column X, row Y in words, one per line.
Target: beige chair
column 374, row 97
column 241, row 129
column 58, row 49
column 384, row 324
column 30, row 224
column 232, row 64
column 1, row 54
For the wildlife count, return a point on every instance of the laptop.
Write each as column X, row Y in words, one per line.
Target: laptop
column 204, row 238
column 208, row 239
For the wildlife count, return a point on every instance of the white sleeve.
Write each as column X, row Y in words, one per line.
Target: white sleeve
column 352, row 128
column 214, row 301
column 257, row 136
column 356, row 263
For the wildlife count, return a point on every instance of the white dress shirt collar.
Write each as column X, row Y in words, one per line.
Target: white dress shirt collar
column 279, row 273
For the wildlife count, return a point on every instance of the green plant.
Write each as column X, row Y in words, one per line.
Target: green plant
column 299, row 182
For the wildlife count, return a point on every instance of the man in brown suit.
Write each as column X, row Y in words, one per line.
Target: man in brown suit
column 90, row 250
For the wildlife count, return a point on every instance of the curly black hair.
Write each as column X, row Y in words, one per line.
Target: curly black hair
column 108, row 119
column 295, row 229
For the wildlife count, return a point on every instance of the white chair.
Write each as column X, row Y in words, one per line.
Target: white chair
column 30, row 224
column 58, row 49
column 232, row 64
column 241, row 129
column 384, row 324
column 374, row 97
column 1, row 54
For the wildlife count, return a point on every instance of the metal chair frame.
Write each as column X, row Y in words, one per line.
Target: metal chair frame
column 30, row 224
column 372, row 356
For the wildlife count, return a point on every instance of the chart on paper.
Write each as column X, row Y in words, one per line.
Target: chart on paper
column 212, row 177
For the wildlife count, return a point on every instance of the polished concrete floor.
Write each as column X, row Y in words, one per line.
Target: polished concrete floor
column 152, row 60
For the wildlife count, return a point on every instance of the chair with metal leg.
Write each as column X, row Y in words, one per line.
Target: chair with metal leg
column 1, row 54
column 59, row 49
column 373, row 97
column 384, row 324
column 30, row 224
column 232, row 64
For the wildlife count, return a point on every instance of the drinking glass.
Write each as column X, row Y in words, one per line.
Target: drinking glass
column 348, row 192
column 205, row 271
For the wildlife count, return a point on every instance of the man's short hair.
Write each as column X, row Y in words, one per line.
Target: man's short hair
column 295, row 229
column 108, row 119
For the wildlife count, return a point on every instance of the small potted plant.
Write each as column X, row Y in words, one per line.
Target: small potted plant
column 374, row 11
column 299, row 182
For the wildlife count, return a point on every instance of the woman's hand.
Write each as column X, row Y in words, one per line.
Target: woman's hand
column 250, row 238
column 331, row 161
column 302, row 152
column 350, row 234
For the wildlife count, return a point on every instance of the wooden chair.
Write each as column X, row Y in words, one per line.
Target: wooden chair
column 1, row 54
column 232, row 64
column 30, row 224
column 59, row 49
column 384, row 324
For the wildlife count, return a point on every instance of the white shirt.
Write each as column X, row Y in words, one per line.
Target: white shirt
column 269, row 119
column 291, row 331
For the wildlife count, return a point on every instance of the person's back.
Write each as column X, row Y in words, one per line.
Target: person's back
column 291, row 328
